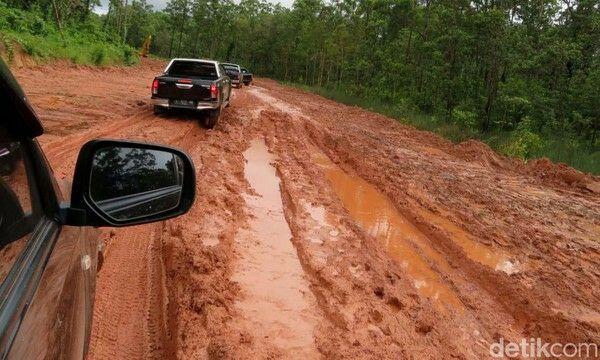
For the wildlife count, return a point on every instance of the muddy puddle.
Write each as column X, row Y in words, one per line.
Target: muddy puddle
column 277, row 303
column 496, row 259
column 493, row 258
column 405, row 243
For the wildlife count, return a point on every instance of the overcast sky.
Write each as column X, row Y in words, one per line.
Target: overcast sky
column 160, row 4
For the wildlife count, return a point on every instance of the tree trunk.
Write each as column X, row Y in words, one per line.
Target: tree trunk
column 408, row 45
column 58, row 20
column 125, row 21
column 171, row 43
column 425, row 37
column 306, row 73
column 86, row 10
column 286, row 66
column 108, row 13
column 341, row 69
column 196, row 38
column 492, row 90
column 321, row 67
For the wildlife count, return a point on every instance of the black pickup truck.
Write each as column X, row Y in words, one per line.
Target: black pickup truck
column 247, row 76
column 194, row 84
column 235, row 73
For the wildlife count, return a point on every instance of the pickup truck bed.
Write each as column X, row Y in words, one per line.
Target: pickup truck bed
column 192, row 84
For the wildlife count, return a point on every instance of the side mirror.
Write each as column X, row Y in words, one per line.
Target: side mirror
column 120, row 183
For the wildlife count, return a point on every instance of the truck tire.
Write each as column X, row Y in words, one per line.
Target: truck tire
column 228, row 100
column 213, row 117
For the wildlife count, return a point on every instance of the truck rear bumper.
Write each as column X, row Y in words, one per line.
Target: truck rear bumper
column 200, row 105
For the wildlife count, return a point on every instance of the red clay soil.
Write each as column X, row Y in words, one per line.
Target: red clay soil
column 327, row 231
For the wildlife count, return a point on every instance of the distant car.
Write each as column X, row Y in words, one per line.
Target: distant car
column 49, row 249
column 246, row 76
column 235, row 73
column 194, row 84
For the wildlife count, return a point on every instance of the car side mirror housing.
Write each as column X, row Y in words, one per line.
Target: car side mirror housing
column 121, row 183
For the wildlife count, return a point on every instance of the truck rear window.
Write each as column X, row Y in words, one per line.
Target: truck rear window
column 231, row 68
column 193, row 69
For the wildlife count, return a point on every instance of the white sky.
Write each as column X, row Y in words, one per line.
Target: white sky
column 160, row 4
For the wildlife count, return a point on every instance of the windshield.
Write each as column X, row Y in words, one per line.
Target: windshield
column 231, row 68
column 193, row 69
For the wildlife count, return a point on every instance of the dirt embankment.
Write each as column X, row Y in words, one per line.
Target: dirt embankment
column 322, row 230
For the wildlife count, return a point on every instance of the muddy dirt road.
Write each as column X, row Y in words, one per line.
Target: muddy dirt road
column 326, row 231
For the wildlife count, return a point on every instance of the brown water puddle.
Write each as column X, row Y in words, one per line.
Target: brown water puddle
column 374, row 212
column 496, row 259
column 278, row 306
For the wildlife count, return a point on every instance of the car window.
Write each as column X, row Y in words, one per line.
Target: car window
column 193, row 69
column 231, row 69
column 18, row 212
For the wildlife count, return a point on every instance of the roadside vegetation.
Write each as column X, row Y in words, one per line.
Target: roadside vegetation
column 521, row 142
column 523, row 76
column 80, row 40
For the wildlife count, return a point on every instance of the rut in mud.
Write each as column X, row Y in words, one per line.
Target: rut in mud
column 342, row 234
column 277, row 303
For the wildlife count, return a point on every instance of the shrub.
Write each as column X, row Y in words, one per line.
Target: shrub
column 523, row 143
column 129, row 56
column 512, row 109
column 98, row 56
column 464, row 118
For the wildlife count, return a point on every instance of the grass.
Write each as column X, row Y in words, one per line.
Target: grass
column 525, row 145
column 78, row 50
column 85, row 44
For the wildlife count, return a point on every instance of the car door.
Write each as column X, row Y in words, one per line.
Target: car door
column 48, row 252
column 47, row 269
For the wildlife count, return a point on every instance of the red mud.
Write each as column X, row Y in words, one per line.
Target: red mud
column 514, row 247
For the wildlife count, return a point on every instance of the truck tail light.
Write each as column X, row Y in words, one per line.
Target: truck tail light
column 155, row 87
column 214, row 92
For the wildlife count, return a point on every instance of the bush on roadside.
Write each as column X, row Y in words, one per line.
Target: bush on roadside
column 464, row 118
column 99, row 56
column 80, row 43
column 523, row 143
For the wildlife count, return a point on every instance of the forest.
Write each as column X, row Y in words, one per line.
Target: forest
column 521, row 75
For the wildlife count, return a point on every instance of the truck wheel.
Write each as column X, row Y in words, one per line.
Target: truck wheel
column 158, row 110
column 213, row 117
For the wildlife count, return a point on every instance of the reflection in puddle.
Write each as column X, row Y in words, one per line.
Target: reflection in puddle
column 405, row 243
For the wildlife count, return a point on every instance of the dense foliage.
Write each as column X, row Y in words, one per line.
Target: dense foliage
column 522, row 75
column 77, row 36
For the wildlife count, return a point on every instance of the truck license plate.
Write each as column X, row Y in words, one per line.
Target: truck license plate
column 185, row 103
